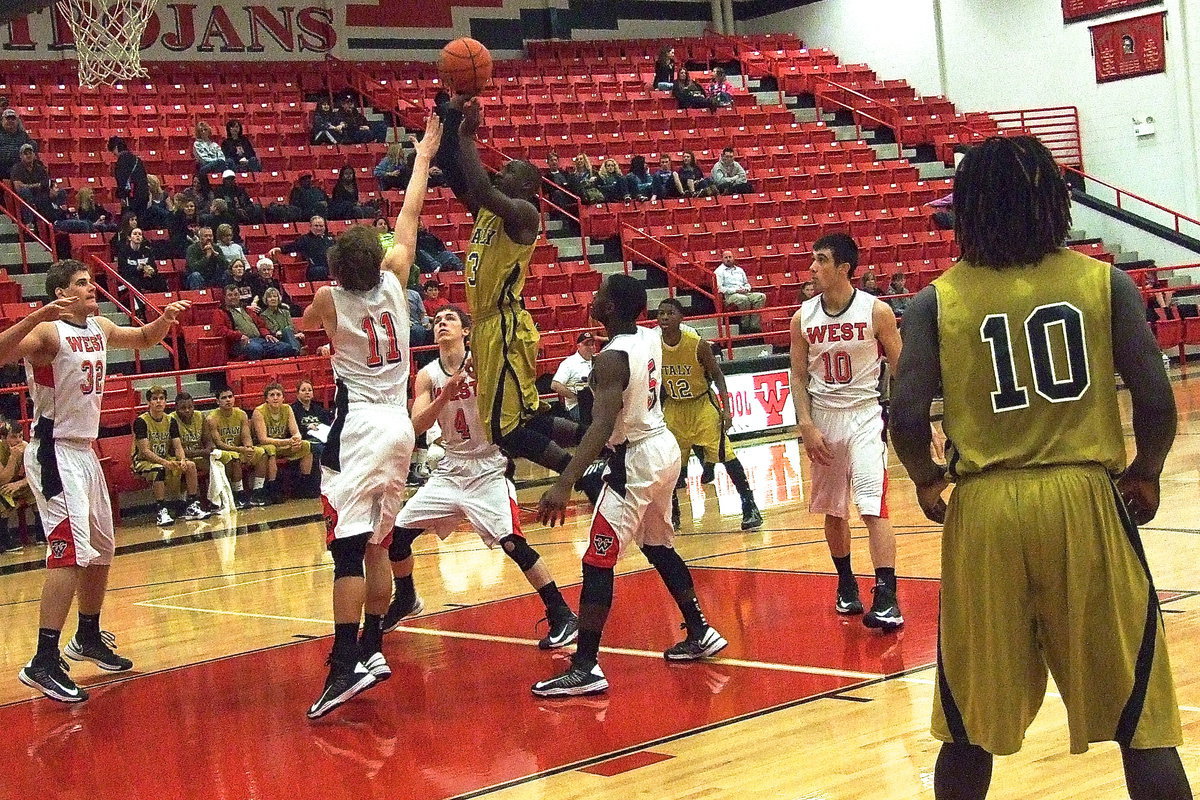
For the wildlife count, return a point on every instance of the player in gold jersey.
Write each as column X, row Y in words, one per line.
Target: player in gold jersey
column 1042, row 567
column 694, row 415
column 157, row 452
column 276, row 431
column 504, row 340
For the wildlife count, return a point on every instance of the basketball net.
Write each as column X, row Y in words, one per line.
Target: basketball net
column 108, row 42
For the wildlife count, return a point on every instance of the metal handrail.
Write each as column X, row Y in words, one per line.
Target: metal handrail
column 134, row 293
column 12, row 199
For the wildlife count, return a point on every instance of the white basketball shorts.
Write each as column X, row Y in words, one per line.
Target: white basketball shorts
column 470, row 489
column 858, row 469
column 371, row 449
column 72, row 500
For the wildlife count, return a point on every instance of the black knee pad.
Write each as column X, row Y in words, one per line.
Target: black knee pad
column 402, row 542
column 670, row 566
column 348, row 555
column 516, row 548
column 597, row 586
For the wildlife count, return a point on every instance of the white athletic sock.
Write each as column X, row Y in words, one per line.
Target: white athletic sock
column 236, row 485
column 258, row 482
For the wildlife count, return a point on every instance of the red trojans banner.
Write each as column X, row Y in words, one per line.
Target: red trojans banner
column 1075, row 10
column 1130, row 47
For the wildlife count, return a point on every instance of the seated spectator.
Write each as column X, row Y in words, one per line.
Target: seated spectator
column 344, row 204
column 666, row 180
column 201, row 190
column 432, row 255
column 943, row 212
column 220, row 214
column 808, row 290
column 690, row 94
column 133, row 188
column 664, row 69
column 135, row 263
column 359, row 130
column 14, row 485
column 393, row 171
column 870, row 284
column 562, row 179
column 611, row 182
column 228, row 247
column 31, row 181
column 245, row 334
column 183, row 226
column 278, row 320
column 13, row 137
column 692, row 178
column 313, row 247
column 209, row 157
column 238, row 150
column 639, row 181
column 238, row 275
column 88, row 215
column 728, row 176
column 734, row 287
column 205, row 263
column 310, row 417
column 238, row 199
column 158, row 204
column 421, row 327
column 896, row 288
column 129, row 221
column 720, row 91
column 327, row 127
column 263, row 278
column 158, row 452
column 587, row 181
column 276, row 430
column 431, row 297
column 309, row 198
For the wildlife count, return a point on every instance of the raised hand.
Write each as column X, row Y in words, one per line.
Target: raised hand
column 428, row 144
column 57, row 309
column 173, row 310
column 472, row 117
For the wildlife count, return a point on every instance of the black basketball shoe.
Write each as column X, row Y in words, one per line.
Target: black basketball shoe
column 751, row 516
column 575, row 681
column 99, row 653
column 848, row 601
column 344, row 682
column 885, row 610
column 564, row 628
column 399, row 610
column 707, row 644
column 50, row 677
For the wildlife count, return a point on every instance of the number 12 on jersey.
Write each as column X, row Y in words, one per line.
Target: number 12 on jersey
column 370, row 328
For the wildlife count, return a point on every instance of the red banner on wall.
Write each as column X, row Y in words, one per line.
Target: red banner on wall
column 1074, row 10
column 1130, row 47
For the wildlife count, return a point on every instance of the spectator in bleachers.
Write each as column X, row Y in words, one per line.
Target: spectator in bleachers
column 208, row 154
column 943, row 212
column 86, row 215
column 611, row 182
column 870, row 284
column 313, row 247
column 205, row 263
column 421, row 326
column 13, row 137
column 262, row 279
column 182, row 227
column 158, row 452
column 238, row 150
column 237, row 275
column 158, row 204
column 201, row 191
column 238, row 199
column 562, row 179
column 734, row 286
column 639, row 181
column 431, row 297
column 327, row 127
column 279, row 322
column 359, row 130
column 135, row 263
column 586, row 181
column 664, row 69
column 229, row 248
column 692, row 177
column 308, row 197
column 31, row 180
column 245, row 334
column 433, row 256
column 311, row 416
column 720, row 91
column 896, row 287
column 666, row 180
column 133, row 188
column 571, row 377
column 344, row 203
column 690, row 94
column 808, row 290
column 393, row 171
column 220, row 214
column 129, row 221
column 14, row 485
column 728, row 176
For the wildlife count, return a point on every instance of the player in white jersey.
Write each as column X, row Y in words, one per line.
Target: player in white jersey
column 65, row 347
column 839, row 341
column 469, row 483
column 365, row 460
column 634, row 506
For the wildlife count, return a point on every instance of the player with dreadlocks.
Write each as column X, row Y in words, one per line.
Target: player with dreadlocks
column 1042, row 567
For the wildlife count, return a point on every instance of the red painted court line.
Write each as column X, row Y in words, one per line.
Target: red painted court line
column 456, row 716
column 619, row 766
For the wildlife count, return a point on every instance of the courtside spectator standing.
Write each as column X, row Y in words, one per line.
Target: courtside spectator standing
column 734, row 287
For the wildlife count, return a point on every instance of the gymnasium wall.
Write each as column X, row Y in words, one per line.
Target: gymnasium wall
column 1000, row 55
column 369, row 29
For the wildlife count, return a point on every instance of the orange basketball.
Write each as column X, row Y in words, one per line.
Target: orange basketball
column 465, row 66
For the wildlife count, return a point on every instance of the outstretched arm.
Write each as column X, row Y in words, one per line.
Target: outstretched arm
column 476, row 189
column 123, row 336
column 31, row 340
column 400, row 256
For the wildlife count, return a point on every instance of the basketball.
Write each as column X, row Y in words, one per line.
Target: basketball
column 465, row 66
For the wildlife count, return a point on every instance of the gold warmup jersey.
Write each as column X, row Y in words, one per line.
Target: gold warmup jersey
column 1027, row 367
column 157, row 432
column 191, row 435
column 276, row 421
column 496, row 267
column 682, row 372
column 230, row 426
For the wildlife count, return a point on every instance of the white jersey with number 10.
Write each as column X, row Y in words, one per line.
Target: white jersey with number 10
column 370, row 348
column 844, row 357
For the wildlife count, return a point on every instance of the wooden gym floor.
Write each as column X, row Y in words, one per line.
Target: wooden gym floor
column 226, row 621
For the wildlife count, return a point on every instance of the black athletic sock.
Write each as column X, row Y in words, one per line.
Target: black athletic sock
column 587, row 649
column 47, row 643
column 406, row 591
column 372, row 635
column 162, row 504
column 345, row 643
column 845, row 573
column 693, row 617
column 886, row 576
column 89, row 628
column 551, row 596
column 737, row 474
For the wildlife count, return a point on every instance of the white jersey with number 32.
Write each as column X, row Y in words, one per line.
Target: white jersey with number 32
column 370, row 347
column 844, row 357
column 68, row 390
